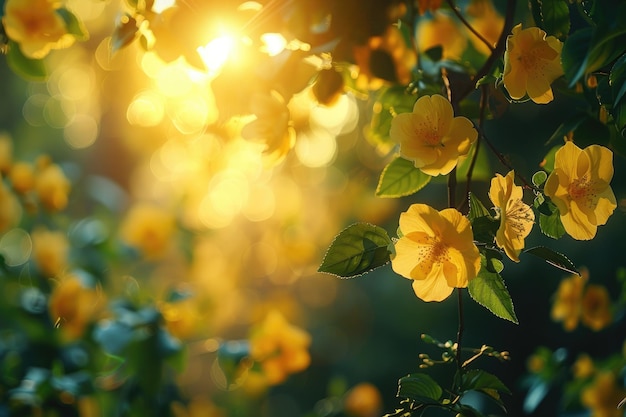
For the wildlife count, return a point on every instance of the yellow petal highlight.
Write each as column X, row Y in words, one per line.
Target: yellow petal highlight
column 580, row 187
column 516, row 217
column 532, row 61
column 436, row 251
column 431, row 137
column 35, row 26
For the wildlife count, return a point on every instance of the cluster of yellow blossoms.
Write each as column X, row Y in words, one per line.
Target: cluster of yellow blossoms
column 29, row 185
column 280, row 347
column 436, row 248
column 575, row 301
column 36, row 26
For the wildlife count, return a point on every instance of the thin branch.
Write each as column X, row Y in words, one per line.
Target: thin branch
column 452, row 188
column 496, row 52
column 461, row 329
column 469, row 26
column 505, row 162
column 484, row 97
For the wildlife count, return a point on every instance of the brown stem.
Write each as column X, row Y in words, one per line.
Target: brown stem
column 505, row 162
column 496, row 53
column 461, row 329
column 467, row 24
column 452, row 188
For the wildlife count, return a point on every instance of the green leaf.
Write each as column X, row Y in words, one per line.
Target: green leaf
column 617, row 80
column 548, row 161
column 73, row 25
column 419, row 387
column 488, row 290
column 479, row 380
column 488, row 384
column 539, row 178
column 553, row 258
column 356, row 250
column 30, row 69
column 550, row 224
column 124, row 33
column 605, row 48
column 476, row 208
column 574, row 54
column 435, row 53
column 469, row 411
column 555, row 15
column 401, row 178
column 484, row 226
column 569, row 125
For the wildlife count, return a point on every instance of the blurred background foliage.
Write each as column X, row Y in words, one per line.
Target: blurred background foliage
column 166, row 204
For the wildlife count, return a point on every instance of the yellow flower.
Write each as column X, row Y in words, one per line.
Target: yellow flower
column 52, row 186
column 516, row 217
column 487, row 21
column 532, row 61
column 596, row 307
column 425, row 5
column 441, row 29
column 50, row 251
column 603, row 396
column 363, row 400
column 148, row 228
column 197, row 407
column 431, row 136
column 10, row 208
column 567, row 304
column 6, row 153
column 36, row 26
column 73, row 306
column 280, row 347
column 272, row 125
column 583, row 367
column 180, row 317
column 22, row 176
column 436, row 251
column 580, row 188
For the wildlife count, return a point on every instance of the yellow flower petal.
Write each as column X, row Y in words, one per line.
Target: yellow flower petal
column 436, row 250
column 531, row 64
column 516, row 217
column 431, row 137
column 432, row 289
column 580, row 188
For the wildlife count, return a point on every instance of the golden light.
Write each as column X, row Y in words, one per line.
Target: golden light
column 273, row 43
column 16, row 247
column 146, row 109
column 316, row 148
column 82, row 131
column 160, row 5
column 340, row 118
column 172, row 80
column 216, row 53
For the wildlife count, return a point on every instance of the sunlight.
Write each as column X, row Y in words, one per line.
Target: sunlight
column 160, row 5
column 146, row 109
column 273, row 43
column 216, row 53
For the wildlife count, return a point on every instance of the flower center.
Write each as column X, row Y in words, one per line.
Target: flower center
column 580, row 188
column 435, row 253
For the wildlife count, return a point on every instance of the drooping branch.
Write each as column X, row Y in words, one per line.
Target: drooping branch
column 496, row 53
column 468, row 25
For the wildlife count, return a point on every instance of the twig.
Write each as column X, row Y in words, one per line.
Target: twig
column 467, row 24
column 461, row 329
column 496, row 52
